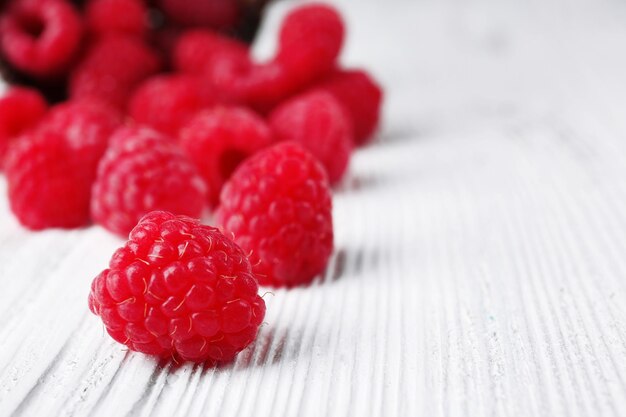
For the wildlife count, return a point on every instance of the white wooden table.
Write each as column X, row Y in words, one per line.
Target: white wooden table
column 481, row 244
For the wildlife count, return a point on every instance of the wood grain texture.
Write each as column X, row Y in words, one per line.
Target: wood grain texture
column 480, row 267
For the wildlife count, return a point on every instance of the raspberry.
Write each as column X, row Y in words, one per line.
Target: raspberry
column 40, row 37
column 318, row 122
column 222, row 14
column 50, row 171
column 112, row 67
column 166, row 102
column 310, row 40
column 180, row 289
column 277, row 205
column 360, row 96
column 20, row 109
column 142, row 171
column 220, row 60
column 117, row 16
column 218, row 140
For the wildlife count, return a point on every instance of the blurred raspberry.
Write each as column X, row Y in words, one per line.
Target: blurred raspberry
column 143, row 171
column 20, row 110
column 310, row 40
column 111, row 69
column 218, row 140
column 278, row 206
column 318, row 122
column 51, row 170
column 221, row 14
column 117, row 16
column 166, row 102
column 40, row 37
column 179, row 289
column 360, row 96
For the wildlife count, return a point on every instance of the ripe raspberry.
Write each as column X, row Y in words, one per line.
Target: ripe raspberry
column 221, row 14
column 310, row 40
column 40, row 37
column 20, row 110
column 112, row 67
column 360, row 96
column 117, row 16
column 143, row 171
column 218, row 140
column 50, row 171
column 178, row 288
column 318, row 122
column 219, row 59
column 277, row 204
column 166, row 102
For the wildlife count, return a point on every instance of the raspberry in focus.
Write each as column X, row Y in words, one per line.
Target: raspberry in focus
column 111, row 69
column 141, row 171
column 20, row 110
column 166, row 102
column 117, row 16
column 51, row 170
column 278, row 207
column 318, row 122
column 360, row 96
column 40, row 37
column 217, row 140
column 179, row 289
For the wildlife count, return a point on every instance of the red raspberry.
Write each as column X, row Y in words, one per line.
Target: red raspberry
column 111, row 69
column 50, row 172
column 166, row 102
column 318, row 122
column 117, row 16
column 278, row 204
column 222, row 14
column 218, row 140
column 310, row 40
column 360, row 96
column 180, row 289
column 142, row 171
column 219, row 59
column 20, row 110
column 40, row 37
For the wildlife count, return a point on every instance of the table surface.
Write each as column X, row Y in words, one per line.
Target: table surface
column 480, row 253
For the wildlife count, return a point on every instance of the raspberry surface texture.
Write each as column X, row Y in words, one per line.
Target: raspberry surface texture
column 310, row 41
column 20, row 110
column 166, row 102
column 40, row 37
column 221, row 14
column 111, row 69
column 117, row 16
column 278, row 207
column 141, row 171
column 50, row 171
column 360, row 96
column 179, row 289
column 318, row 122
column 218, row 140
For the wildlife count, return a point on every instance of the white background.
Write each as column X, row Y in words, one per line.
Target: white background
column 481, row 243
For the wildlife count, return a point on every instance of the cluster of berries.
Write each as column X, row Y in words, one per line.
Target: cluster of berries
column 142, row 151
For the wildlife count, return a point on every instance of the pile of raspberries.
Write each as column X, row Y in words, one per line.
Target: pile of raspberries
column 160, row 129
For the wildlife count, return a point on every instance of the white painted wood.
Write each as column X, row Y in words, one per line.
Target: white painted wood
column 480, row 264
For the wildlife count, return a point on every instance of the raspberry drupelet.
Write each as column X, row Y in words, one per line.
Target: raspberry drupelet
column 179, row 289
column 278, row 207
column 141, row 171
